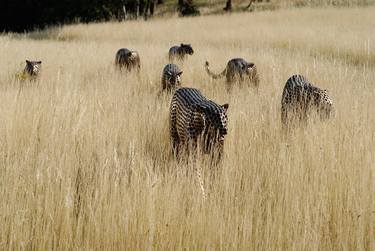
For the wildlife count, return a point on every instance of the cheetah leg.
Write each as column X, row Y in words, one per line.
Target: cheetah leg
column 176, row 146
column 193, row 154
column 255, row 81
column 284, row 116
column 198, row 170
column 229, row 86
column 175, row 141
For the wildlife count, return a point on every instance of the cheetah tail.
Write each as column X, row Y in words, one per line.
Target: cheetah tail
column 213, row 75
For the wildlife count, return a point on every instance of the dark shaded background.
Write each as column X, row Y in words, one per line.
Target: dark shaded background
column 26, row 15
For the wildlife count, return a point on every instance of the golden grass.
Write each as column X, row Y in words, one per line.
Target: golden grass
column 85, row 159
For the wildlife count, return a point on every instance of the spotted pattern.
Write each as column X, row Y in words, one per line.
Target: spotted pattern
column 195, row 120
column 301, row 97
column 237, row 70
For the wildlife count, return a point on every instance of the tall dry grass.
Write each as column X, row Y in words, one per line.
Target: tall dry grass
column 85, row 160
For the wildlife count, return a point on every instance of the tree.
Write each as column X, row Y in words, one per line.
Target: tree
column 148, row 10
column 187, row 8
column 248, row 6
column 228, row 6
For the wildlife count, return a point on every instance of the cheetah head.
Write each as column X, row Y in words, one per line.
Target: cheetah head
column 174, row 78
column 248, row 67
column 132, row 55
column 33, row 67
column 215, row 124
column 187, row 49
column 326, row 108
column 251, row 72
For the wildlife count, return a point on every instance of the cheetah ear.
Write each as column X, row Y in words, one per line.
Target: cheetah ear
column 250, row 65
column 28, row 62
column 180, row 73
column 39, row 62
column 182, row 45
column 225, row 107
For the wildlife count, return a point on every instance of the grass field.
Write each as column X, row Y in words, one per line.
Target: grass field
column 85, row 160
